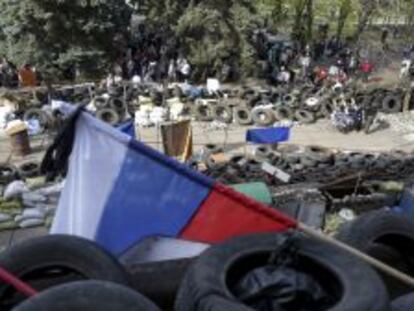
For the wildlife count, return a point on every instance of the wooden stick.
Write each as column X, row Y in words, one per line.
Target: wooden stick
column 372, row 261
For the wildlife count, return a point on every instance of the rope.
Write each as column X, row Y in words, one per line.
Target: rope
column 18, row 284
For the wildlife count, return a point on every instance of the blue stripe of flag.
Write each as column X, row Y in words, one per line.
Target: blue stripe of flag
column 153, row 195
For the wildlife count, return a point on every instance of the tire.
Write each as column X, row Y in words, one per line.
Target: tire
column 389, row 229
column 242, row 116
column 305, row 116
column 223, row 113
column 318, row 154
column 38, row 114
column 307, row 161
column 213, row 149
column 263, row 117
column 208, row 282
column 284, row 113
column 55, row 259
column 118, row 105
column 263, row 152
column 109, row 116
column 357, row 160
column 88, row 296
column 100, row 102
column 392, row 104
column 8, row 173
column 203, row 113
column 276, row 97
column 29, row 169
column 327, row 108
column 403, row 303
column 249, row 94
column 289, row 99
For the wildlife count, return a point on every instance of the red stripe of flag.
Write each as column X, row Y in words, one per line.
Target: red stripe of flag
column 227, row 213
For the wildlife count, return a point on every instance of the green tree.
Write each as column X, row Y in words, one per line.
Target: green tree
column 345, row 9
column 214, row 31
column 366, row 11
column 55, row 34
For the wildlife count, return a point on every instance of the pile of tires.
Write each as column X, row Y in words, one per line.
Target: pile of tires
column 111, row 110
column 315, row 164
column 303, row 105
column 69, row 273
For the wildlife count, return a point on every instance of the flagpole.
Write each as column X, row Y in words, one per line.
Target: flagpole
column 372, row 261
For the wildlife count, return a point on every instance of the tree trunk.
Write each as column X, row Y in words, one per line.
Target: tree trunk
column 368, row 7
column 344, row 11
column 299, row 8
column 309, row 12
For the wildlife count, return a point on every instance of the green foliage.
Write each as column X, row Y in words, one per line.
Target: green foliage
column 55, row 34
column 211, row 35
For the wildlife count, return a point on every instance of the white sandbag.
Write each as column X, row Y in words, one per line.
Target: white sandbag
column 15, row 189
column 5, row 217
column 31, row 213
column 30, row 223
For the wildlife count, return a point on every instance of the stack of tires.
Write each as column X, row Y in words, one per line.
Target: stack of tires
column 110, row 110
column 69, row 273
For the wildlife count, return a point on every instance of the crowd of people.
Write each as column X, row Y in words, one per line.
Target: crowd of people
column 13, row 77
column 156, row 57
column 150, row 58
column 334, row 62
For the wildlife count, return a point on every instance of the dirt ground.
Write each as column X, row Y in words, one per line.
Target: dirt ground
column 233, row 138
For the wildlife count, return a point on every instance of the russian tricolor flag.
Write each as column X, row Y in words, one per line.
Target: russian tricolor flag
column 119, row 191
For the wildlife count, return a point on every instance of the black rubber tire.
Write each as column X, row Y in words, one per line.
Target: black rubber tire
column 289, row 99
column 283, row 113
column 327, row 108
column 38, row 114
column 263, row 117
column 159, row 281
column 307, row 161
column 385, row 228
column 109, row 116
column 249, row 94
column 243, row 116
column 88, row 296
column 263, row 152
column 403, row 303
column 118, row 105
column 318, row 154
column 208, row 281
column 55, row 259
column 223, row 113
column 203, row 113
column 392, row 104
column 305, row 116
column 8, row 173
column 213, row 149
column 276, row 97
column 237, row 160
column 100, row 102
column 29, row 169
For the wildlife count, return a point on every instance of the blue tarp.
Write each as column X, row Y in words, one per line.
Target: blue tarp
column 271, row 135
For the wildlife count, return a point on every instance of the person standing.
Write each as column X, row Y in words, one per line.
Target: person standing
column 366, row 68
column 27, row 76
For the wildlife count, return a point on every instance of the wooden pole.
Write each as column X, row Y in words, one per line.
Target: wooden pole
column 370, row 260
